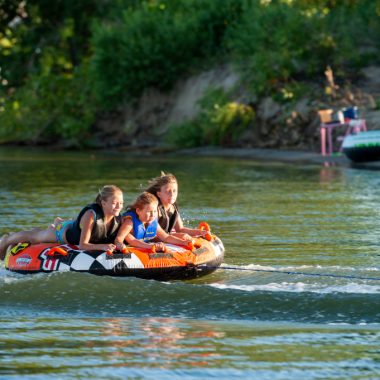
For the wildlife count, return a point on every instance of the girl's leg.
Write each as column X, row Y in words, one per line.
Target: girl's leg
column 31, row 236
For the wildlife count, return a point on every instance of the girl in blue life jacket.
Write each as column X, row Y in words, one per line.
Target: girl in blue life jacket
column 165, row 188
column 95, row 228
column 140, row 226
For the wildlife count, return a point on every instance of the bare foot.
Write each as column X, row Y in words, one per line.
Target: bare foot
column 57, row 221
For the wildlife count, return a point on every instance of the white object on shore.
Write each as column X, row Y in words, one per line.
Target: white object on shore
column 363, row 146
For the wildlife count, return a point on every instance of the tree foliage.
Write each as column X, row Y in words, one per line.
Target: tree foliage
column 155, row 44
column 64, row 62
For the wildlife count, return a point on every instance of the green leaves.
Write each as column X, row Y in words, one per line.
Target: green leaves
column 155, row 45
column 220, row 122
column 281, row 41
column 63, row 62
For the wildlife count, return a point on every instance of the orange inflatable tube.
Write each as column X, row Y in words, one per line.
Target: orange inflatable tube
column 177, row 262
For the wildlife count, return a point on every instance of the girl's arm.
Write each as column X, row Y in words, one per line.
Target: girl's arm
column 125, row 233
column 124, row 230
column 87, row 223
column 179, row 227
column 132, row 241
column 166, row 238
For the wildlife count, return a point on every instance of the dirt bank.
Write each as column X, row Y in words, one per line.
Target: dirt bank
column 281, row 125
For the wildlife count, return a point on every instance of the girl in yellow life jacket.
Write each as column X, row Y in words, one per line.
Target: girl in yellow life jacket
column 165, row 188
column 140, row 226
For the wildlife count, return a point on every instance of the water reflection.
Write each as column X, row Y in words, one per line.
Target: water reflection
column 162, row 342
column 113, row 347
column 329, row 174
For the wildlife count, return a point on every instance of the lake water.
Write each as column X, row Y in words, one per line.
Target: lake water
column 298, row 296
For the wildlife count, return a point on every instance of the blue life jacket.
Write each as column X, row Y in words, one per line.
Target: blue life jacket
column 141, row 232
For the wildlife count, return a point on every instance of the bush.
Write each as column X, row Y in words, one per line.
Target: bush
column 48, row 108
column 156, row 44
column 63, row 61
column 220, row 122
column 280, row 41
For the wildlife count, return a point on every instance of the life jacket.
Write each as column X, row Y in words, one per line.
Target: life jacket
column 141, row 232
column 167, row 222
column 99, row 233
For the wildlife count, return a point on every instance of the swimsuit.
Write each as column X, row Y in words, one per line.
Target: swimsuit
column 60, row 229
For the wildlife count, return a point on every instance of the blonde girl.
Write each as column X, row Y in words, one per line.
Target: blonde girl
column 95, row 228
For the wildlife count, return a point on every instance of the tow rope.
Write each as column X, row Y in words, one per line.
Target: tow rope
column 298, row 273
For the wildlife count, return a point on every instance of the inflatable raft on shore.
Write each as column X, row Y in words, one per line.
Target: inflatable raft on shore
column 176, row 263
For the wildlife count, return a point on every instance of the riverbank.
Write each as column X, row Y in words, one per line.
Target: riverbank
column 275, row 155
column 268, row 155
column 259, row 154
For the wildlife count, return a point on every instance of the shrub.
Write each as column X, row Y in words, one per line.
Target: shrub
column 49, row 107
column 154, row 45
column 220, row 122
column 279, row 41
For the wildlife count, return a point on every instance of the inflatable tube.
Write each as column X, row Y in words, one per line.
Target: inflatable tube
column 176, row 263
column 362, row 147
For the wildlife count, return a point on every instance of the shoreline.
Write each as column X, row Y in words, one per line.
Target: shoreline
column 283, row 156
column 259, row 154
column 289, row 156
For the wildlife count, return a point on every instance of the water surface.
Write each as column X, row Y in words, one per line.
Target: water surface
column 298, row 296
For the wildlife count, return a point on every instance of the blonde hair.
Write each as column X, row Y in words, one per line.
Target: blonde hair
column 155, row 184
column 142, row 200
column 106, row 192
